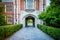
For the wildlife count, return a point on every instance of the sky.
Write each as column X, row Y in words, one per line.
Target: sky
column 47, row 1
column 7, row 0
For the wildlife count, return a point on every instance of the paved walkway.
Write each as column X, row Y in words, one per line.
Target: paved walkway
column 30, row 33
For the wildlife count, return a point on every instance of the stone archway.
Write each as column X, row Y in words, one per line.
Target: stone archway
column 29, row 21
column 25, row 17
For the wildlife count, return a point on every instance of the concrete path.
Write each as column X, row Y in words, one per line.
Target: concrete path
column 30, row 33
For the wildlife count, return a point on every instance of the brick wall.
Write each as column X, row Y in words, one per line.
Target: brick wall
column 37, row 4
column 9, row 15
column 21, row 4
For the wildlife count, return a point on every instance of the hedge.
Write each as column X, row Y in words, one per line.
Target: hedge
column 53, row 32
column 6, row 31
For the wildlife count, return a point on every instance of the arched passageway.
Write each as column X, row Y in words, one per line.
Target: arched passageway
column 30, row 21
column 31, row 17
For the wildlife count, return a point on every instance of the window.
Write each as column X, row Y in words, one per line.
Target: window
column 44, row 7
column 16, row 6
column 9, row 8
column 9, row 19
column 29, row 4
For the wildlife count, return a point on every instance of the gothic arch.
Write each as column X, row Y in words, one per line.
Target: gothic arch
column 30, row 15
column 30, row 18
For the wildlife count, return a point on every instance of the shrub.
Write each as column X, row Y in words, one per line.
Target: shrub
column 1, row 33
column 6, row 31
column 53, row 32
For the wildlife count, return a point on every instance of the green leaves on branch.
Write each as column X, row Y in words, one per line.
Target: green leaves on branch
column 0, row 0
column 55, row 3
column 2, row 17
column 1, row 8
column 52, row 15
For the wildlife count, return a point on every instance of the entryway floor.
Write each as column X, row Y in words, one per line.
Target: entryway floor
column 30, row 33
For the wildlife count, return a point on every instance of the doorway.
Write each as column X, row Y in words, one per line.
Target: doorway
column 30, row 21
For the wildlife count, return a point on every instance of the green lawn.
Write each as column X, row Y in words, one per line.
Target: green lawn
column 53, row 32
column 6, row 31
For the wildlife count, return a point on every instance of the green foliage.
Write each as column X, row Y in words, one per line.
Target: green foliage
column 0, row 0
column 6, row 31
column 30, row 21
column 2, row 17
column 1, row 8
column 53, row 32
column 55, row 3
column 52, row 15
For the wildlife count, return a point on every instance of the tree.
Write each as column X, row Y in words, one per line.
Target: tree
column 0, row 0
column 2, row 17
column 52, row 15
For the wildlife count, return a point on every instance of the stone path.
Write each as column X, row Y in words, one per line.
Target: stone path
column 30, row 33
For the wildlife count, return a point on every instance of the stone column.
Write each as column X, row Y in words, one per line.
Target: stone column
column 5, row 7
column 17, row 11
column 41, row 5
column 33, row 4
column 26, row 3
column 14, row 10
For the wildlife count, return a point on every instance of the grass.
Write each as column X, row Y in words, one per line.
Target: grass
column 53, row 32
column 6, row 31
